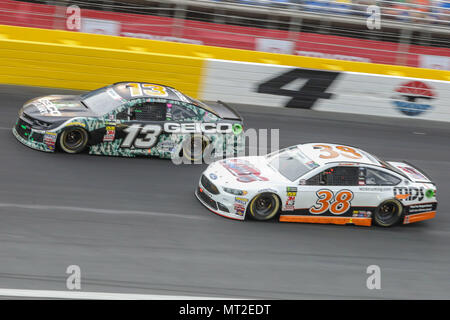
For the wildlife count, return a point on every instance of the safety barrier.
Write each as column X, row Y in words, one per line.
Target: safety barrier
column 86, row 61
column 62, row 59
column 326, row 90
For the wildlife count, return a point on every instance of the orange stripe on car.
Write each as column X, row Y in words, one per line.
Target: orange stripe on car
column 333, row 220
column 402, row 196
column 419, row 217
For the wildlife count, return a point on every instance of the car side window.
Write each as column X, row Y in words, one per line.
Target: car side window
column 376, row 177
column 182, row 113
column 336, row 176
column 149, row 111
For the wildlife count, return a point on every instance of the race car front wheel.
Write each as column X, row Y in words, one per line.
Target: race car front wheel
column 73, row 140
column 388, row 213
column 264, row 206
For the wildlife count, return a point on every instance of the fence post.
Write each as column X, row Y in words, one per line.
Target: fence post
column 178, row 22
column 403, row 47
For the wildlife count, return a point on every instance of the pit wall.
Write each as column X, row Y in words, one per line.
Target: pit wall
column 61, row 59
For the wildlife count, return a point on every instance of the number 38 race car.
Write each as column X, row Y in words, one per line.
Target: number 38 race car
column 318, row 183
column 130, row 119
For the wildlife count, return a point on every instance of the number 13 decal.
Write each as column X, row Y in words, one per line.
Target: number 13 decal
column 145, row 89
column 336, row 204
column 151, row 132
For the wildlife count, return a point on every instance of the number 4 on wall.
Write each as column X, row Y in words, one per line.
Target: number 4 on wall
column 315, row 87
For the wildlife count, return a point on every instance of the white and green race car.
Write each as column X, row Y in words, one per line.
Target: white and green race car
column 131, row 119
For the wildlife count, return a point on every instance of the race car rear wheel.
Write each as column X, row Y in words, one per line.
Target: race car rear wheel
column 264, row 206
column 194, row 147
column 73, row 140
column 388, row 213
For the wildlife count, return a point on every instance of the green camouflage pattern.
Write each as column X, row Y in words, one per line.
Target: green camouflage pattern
column 168, row 146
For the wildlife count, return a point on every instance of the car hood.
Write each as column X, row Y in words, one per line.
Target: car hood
column 55, row 107
column 243, row 173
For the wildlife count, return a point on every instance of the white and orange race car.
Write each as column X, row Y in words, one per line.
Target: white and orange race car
column 318, row 183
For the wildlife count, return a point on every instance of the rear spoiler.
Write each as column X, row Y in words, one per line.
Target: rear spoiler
column 225, row 111
column 411, row 171
column 420, row 170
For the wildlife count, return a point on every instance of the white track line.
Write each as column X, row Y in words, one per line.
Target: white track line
column 96, row 210
column 51, row 294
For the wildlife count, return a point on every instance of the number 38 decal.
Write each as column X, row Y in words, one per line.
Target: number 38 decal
column 336, row 204
column 329, row 153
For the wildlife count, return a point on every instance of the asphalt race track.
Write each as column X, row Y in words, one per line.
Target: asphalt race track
column 134, row 225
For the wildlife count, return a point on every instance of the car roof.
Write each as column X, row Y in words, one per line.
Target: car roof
column 123, row 89
column 338, row 153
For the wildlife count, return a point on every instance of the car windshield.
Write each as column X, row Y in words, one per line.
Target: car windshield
column 102, row 100
column 200, row 104
column 291, row 164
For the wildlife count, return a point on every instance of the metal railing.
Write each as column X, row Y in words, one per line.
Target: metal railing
column 406, row 12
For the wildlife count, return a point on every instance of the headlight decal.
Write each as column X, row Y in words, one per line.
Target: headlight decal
column 235, row 192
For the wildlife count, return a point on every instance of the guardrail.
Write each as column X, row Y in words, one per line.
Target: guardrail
column 64, row 59
column 326, row 90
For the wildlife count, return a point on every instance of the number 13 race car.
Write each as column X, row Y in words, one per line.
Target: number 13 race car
column 318, row 183
column 130, row 119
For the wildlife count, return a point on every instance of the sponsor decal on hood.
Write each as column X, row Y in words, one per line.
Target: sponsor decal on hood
column 52, row 108
column 243, row 170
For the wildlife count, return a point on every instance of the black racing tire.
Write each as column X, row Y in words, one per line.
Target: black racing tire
column 194, row 147
column 264, row 206
column 73, row 140
column 388, row 213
